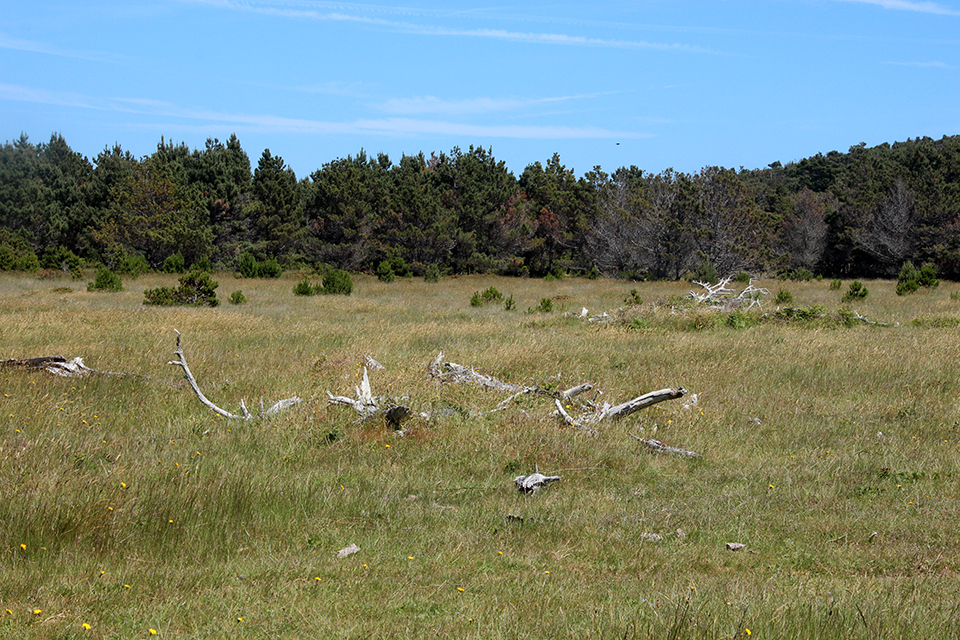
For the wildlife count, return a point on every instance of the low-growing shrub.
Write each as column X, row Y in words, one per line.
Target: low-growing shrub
column 304, row 288
column 857, row 291
column 509, row 304
column 490, row 294
column 249, row 267
column 633, row 298
column 385, row 272
column 105, row 280
column 196, row 289
column 545, row 306
column 835, row 284
column 174, row 263
column 431, row 273
column 800, row 274
column 133, row 265
column 237, row 297
column 783, row 297
column 337, row 282
column 911, row 279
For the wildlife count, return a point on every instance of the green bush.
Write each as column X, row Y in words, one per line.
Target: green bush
column 249, row 267
column 633, row 299
column 237, row 297
column 594, row 273
column 546, row 305
column 133, row 265
column 16, row 254
column 60, row 258
column 174, row 263
column 509, row 304
column 783, row 297
column 202, row 264
column 105, row 280
column 742, row 277
column 304, row 288
column 800, row 274
column 337, row 282
column 856, row 292
column 490, row 294
column 706, row 272
column 835, row 284
column 431, row 273
column 196, row 289
column 928, row 276
column 385, row 272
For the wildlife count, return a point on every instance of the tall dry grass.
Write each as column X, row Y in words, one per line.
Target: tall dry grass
column 829, row 450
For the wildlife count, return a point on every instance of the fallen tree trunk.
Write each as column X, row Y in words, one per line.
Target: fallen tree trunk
column 641, row 402
column 58, row 365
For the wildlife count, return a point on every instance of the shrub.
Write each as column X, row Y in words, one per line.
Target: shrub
column 304, row 288
column 337, row 282
column 16, row 254
column 431, row 273
column 196, row 289
column 174, row 263
column 928, row 276
column 385, row 272
column 706, row 272
column 105, row 280
column 856, row 292
column 490, row 294
column 783, row 297
column 250, row 267
column 800, row 274
column 509, row 304
column 633, row 299
column 546, row 305
column 60, row 258
column 134, row 265
column 237, row 297
column 743, row 277
column 594, row 273
column 202, row 264
column 835, row 284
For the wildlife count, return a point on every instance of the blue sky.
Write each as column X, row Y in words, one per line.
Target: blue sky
column 651, row 83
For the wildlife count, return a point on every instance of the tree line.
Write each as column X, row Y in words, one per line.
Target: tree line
column 863, row 213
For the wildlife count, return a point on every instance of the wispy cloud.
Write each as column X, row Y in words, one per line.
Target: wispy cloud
column 33, row 46
column 934, row 64
column 910, row 5
column 469, row 106
column 326, row 11
column 392, row 127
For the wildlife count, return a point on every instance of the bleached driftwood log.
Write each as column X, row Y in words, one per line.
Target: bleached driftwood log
column 659, row 447
column 57, row 365
column 368, row 405
column 534, row 482
column 591, row 414
column 459, row 374
column 181, row 362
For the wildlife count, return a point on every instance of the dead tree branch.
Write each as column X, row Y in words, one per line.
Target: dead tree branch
column 658, row 447
column 181, row 362
column 367, row 405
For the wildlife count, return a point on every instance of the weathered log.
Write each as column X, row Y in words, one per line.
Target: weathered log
column 453, row 372
column 534, row 482
column 181, row 362
column 659, row 447
column 57, row 365
column 641, row 402
column 368, row 405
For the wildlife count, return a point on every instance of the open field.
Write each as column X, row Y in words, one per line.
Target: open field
column 832, row 452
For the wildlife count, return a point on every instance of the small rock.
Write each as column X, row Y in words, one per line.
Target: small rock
column 348, row 551
column 651, row 537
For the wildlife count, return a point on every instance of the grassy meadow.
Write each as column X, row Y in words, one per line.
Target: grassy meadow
column 130, row 510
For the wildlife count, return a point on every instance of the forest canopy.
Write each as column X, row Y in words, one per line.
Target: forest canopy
column 863, row 213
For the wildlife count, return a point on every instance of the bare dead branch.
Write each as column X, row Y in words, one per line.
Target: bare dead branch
column 534, row 482
column 659, row 447
column 181, row 362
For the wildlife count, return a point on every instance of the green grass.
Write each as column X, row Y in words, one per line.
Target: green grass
column 141, row 509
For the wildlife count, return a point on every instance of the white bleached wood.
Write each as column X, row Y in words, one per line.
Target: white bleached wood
column 181, row 362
